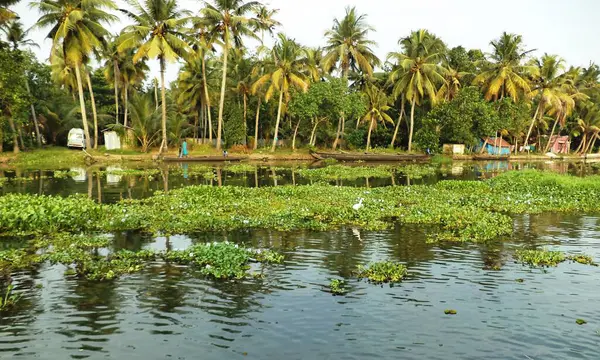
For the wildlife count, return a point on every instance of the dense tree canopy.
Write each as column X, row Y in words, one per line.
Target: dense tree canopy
column 334, row 94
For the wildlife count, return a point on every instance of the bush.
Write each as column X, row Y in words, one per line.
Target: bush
column 234, row 125
column 239, row 149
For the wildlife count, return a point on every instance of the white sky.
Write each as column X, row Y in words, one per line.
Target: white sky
column 568, row 28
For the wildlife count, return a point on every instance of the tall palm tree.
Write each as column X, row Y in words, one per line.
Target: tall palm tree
column 588, row 125
column 190, row 84
column 5, row 13
column 506, row 75
column 145, row 120
column 157, row 33
column 131, row 74
column 417, row 71
column 266, row 21
column 111, row 70
column 241, row 74
column 203, row 46
column 348, row 45
column 76, row 32
column 549, row 86
column 287, row 71
column 229, row 20
column 378, row 104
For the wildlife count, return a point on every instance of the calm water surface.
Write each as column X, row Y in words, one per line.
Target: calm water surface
column 171, row 312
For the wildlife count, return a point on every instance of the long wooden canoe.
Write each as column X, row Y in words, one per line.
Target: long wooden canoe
column 214, row 158
column 369, row 157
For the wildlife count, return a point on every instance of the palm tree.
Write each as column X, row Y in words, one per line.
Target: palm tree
column 348, row 45
column 111, row 70
column 131, row 74
column 505, row 75
column 204, row 45
column 145, row 120
column 241, row 74
column 76, row 32
column 452, row 84
column 228, row 20
column 417, row 71
column 588, row 125
column 549, row 85
column 287, row 68
column 265, row 22
column 190, row 86
column 5, row 13
column 157, row 33
column 376, row 111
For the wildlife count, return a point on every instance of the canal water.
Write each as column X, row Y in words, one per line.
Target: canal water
column 504, row 310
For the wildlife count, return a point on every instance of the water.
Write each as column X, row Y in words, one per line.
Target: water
column 171, row 312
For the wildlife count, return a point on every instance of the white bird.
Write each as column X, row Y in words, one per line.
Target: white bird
column 359, row 205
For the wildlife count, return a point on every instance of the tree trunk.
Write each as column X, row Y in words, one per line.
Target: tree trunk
column 337, row 134
column 581, row 144
column 551, row 134
column 313, row 136
column 592, row 144
column 126, row 105
column 163, row 145
column 86, row 130
column 255, row 146
column 343, row 129
column 294, row 138
column 532, row 123
column 14, row 134
column 245, row 120
column 156, row 93
column 277, row 122
column 89, row 81
column 196, row 121
column 116, row 78
column 398, row 124
column 412, row 124
column 369, row 135
column 1, row 137
column 20, row 130
column 35, row 120
column 207, row 100
column 223, row 85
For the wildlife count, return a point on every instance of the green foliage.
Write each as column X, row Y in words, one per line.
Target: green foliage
column 337, row 287
column 9, row 299
column 580, row 322
column 341, row 172
column 383, row 272
column 582, row 259
column 234, row 127
column 450, row 312
column 133, row 172
column 60, row 174
column 463, row 120
column 540, row 257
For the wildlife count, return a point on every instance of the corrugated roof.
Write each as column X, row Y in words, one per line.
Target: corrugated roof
column 497, row 142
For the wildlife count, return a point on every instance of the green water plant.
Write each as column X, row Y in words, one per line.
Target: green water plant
column 240, row 168
column 132, row 172
column 450, row 312
column 540, row 258
column 9, row 299
column 582, row 259
column 382, row 272
column 337, row 287
column 63, row 174
column 580, row 322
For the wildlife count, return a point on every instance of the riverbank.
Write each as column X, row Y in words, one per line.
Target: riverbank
column 59, row 157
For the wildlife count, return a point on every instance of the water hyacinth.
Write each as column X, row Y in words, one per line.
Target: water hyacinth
column 382, row 272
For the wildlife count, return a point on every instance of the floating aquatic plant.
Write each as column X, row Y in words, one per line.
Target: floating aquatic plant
column 450, row 312
column 337, row 287
column 382, row 272
column 540, row 257
column 580, row 322
column 9, row 299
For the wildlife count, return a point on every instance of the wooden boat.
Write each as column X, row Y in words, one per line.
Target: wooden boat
column 369, row 157
column 214, row 158
column 491, row 157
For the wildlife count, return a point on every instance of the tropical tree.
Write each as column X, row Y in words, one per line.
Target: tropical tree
column 348, row 46
column 266, row 21
column 230, row 21
column 17, row 36
column 588, row 125
column 76, row 32
column 111, row 70
column 417, row 71
column 191, row 87
column 157, row 33
column 145, row 120
column 241, row 74
column 5, row 13
column 378, row 105
column 131, row 74
column 506, row 75
column 287, row 71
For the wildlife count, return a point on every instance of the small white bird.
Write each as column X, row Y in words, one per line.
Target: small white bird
column 359, row 205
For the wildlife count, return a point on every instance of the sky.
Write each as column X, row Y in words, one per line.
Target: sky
column 568, row 28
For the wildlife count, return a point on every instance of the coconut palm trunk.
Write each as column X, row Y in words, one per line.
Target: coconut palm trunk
column 86, row 129
column 163, row 145
column 255, row 146
column 156, row 94
column 295, row 134
column 277, row 122
column 245, row 119
column 126, row 105
column 223, row 85
column 11, row 123
column 398, row 124
column 537, row 111
column 35, row 120
column 89, row 83
column 116, row 85
column 369, row 134
column 412, row 124
column 207, row 100
column 551, row 135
